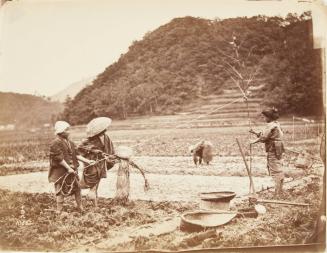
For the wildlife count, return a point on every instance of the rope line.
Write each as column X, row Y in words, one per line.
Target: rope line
column 66, row 188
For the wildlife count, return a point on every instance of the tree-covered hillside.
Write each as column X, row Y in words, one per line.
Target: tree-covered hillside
column 25, row 110
column 190, row 57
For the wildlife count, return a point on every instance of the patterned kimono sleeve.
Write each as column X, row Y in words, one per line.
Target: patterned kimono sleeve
column 266, row 133
column 56, row 152
column 82, row 148
column 89, row 150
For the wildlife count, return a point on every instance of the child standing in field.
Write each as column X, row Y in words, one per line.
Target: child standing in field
column 64, row 165
column 272, row 138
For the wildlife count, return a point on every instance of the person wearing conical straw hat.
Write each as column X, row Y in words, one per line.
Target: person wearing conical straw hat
column 98, row 146
column 64, row 165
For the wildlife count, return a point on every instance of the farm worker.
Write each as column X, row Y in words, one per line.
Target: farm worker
column 64, row 165
column 272, row 137
column 202, row 151
column 98, row 147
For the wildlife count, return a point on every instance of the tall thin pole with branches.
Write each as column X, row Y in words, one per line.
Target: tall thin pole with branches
column 235, row 66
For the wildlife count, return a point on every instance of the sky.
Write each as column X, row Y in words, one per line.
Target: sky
column 45, row 45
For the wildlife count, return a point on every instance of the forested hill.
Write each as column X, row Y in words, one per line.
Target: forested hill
column 25, row 110
column 191, row 57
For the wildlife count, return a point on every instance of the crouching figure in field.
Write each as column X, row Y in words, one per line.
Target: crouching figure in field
column 203, row 150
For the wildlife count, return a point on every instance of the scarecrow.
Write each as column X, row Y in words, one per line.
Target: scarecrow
column 202, row 151
column 64, row 166
column 123, row 158
column 97, row 147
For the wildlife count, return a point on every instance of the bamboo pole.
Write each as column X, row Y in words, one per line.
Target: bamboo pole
column 247, row 167
column 281, row 202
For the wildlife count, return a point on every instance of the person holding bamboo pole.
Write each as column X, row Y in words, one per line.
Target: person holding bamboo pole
column 272, row 136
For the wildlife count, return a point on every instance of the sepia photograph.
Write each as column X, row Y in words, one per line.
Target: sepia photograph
column 163, row 126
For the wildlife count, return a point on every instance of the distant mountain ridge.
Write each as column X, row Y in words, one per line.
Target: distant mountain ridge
column 24, row 110
column 192, row 57
column 72, row 89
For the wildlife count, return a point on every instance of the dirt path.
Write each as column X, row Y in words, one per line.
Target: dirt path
column 163, row 187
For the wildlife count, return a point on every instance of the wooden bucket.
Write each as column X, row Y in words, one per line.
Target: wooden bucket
column 216, row 200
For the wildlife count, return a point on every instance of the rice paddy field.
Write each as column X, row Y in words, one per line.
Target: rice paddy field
column 151, row 219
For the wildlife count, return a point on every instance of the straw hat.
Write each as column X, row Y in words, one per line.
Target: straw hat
column 61, row 126
column 124, row 152
column 97, row 125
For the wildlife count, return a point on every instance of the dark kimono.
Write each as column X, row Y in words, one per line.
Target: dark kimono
column 61, row 149
column 93, row 149
column 272, row 137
